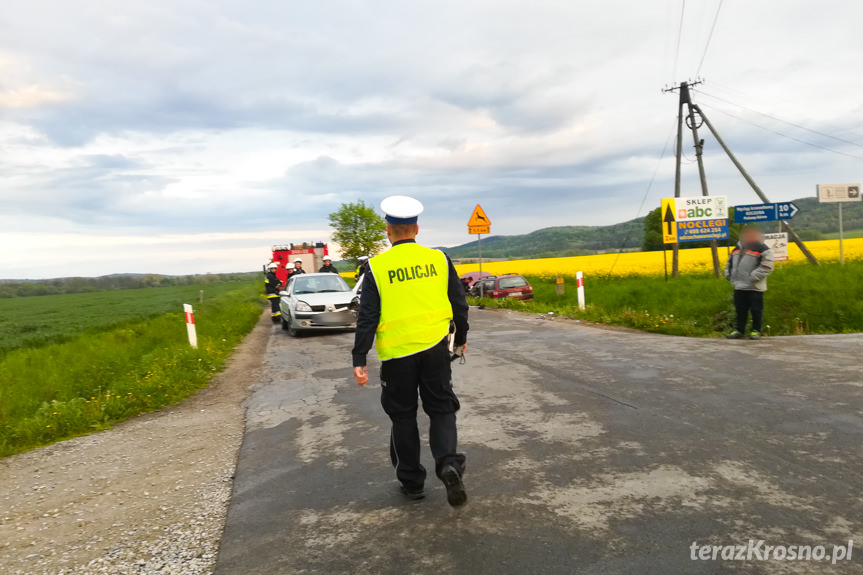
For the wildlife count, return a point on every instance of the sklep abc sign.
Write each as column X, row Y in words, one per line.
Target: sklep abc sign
column 694, row 219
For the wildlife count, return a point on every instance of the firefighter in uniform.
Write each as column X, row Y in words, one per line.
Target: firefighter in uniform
column 361, row 269
column 298, row 267
column 328, row 266
column 273, row 286
column 414, row 309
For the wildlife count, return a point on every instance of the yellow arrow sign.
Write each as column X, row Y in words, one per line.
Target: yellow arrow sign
column 669, row 221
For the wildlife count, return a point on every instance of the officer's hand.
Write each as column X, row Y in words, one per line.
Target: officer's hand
column 459, row 351
column 361, row 374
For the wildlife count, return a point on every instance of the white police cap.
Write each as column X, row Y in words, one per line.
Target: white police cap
column 401, row 209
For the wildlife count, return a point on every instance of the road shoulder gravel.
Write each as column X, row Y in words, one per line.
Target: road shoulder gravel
column 147, row 496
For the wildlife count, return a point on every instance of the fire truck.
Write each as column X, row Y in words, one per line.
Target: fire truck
column 312, row 255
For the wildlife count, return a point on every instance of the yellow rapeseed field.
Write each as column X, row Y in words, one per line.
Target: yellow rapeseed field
column 650, row 263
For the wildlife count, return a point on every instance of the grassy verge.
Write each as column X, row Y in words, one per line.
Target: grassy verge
column 36, row 321
column 91, row 381
column 802, row 299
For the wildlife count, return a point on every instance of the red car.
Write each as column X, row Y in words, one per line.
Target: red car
column 508, row 286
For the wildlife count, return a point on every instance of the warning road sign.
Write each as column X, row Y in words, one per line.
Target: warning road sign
column 694, row 219
column 479, row 222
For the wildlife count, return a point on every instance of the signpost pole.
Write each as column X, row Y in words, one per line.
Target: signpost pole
column 841, row 253
column 665, row 260
column 479, row 244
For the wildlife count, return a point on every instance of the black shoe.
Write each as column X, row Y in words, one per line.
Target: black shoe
column 413, row 493
column 734, row 335
column 455, row 493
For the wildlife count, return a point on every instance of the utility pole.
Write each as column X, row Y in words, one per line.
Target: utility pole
column 694, row 119
column 693, row 124
column 699, row 151
column 675, row 256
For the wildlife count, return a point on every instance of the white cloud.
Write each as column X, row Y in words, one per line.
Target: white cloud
column 142, row 120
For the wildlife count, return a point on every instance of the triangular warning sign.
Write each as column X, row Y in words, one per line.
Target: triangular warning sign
column 478, row 218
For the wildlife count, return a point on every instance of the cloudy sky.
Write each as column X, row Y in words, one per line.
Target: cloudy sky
column 185, row 136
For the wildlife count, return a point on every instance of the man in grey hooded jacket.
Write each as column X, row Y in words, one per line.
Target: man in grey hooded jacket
column 747, row 269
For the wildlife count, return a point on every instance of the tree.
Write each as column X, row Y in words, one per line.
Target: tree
column 652, row 231
column 358, row 230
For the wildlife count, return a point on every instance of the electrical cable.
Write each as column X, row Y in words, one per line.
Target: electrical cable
column 784, row 135
column 646, row 192
column 679, row 36
column 753, row 110
column 709, row 38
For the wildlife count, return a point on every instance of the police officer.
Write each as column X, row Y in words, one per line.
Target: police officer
column 273, row 287
column 412, row 299
column 298, row 267
column 328, row 266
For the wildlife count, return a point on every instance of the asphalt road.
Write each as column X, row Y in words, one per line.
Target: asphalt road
column 589, row 451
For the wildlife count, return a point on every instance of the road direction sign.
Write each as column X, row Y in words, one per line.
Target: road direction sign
column 835, row 193
column 765, row 212
column 479, row 222
column 839, row 194
column 694, row 219
column 778, row 244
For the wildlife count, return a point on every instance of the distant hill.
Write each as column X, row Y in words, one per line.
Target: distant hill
column 557, row 241
column 814, row 218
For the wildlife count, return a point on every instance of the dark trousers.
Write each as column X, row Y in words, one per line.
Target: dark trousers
column 274, row 305
column 429, row 375
column 746, row 302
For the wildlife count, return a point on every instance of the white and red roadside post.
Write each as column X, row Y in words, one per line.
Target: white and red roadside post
column 190, row 325
column 579, row 283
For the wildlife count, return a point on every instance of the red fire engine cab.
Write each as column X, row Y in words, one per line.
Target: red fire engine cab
column 312, row 255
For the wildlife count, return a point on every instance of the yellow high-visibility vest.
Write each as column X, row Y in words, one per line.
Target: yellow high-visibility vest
column 415, row 308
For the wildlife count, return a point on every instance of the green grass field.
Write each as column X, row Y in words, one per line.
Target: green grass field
column 35, row 321
column 846, row 235
column 90, row 360
column 801, row 299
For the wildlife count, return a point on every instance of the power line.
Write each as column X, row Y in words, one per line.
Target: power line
column 709, row 38
column 784, row 135
column 679, row 36
column 753, row 110
column 647, row 191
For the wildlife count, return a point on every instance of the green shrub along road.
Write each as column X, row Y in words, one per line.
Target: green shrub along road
column 110, row 372
column 801, row 299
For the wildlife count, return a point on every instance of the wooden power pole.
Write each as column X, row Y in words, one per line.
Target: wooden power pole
column 693, row 122
column 694, row 119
